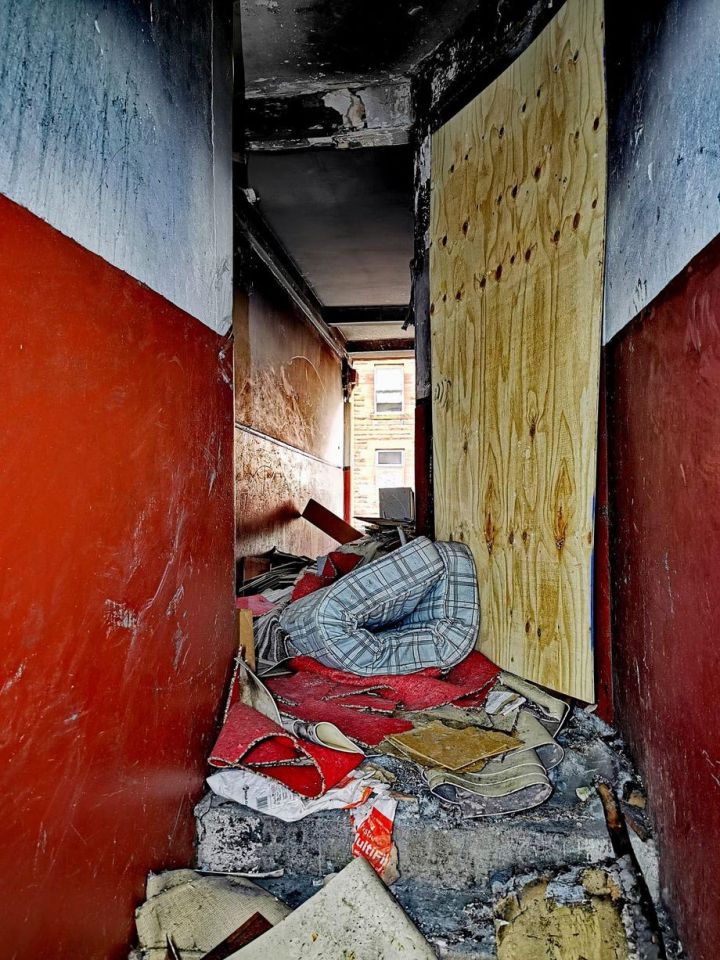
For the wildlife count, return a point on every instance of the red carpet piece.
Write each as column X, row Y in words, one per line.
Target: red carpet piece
column 251, row 740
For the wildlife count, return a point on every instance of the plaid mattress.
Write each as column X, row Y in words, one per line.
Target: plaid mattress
column 416, row 607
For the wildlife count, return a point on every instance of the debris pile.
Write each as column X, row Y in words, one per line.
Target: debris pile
column 212, row 918
column 357, row 693
column 369, row 652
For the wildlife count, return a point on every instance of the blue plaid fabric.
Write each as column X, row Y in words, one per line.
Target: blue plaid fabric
column 416, row 607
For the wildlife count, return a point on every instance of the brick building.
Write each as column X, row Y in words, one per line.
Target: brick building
column 383, row 432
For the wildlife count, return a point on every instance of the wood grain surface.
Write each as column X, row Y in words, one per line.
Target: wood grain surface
column 516, row 273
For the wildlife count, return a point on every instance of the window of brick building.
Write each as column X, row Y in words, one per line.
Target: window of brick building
column 389, row 383
column 389, row 468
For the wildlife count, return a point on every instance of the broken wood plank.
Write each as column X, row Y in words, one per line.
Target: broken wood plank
column 246, row 637
column 330, row 523
column 246, row 933
column 516, row 273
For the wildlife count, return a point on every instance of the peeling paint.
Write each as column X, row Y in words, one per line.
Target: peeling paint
column 120, row 615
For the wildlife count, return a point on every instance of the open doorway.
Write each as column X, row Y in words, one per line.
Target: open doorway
column 383, row 436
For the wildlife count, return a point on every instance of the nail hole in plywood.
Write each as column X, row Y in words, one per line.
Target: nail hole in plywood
column 556, row 236
column 498, row 271
column 594, row 203
column 596, row 123
column 483, row 281
column 465, row 227
column 513, row 192
column 576, row 220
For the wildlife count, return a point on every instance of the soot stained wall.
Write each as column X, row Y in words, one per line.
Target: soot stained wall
column 288, row 423
column 116, row 121
column 116, row 593
column 663, row 79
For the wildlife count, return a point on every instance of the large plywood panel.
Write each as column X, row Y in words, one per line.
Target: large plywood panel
column 518, row 198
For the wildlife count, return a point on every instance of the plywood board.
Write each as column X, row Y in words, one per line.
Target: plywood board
column 516, row 272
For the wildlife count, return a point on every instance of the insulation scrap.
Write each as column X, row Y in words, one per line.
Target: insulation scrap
column 198, row 912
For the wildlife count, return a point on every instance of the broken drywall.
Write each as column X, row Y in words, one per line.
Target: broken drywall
column 576, row 916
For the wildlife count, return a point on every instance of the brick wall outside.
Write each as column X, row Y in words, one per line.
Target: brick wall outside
column 379, row 431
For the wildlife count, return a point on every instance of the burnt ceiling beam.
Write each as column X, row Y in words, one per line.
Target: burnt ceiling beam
column 376, row 348
column 374, row 115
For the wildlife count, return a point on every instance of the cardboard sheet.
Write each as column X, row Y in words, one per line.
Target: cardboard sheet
column 198, row 912
column 353, row 916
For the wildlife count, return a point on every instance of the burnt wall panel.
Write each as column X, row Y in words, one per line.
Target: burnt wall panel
column 663, row 80
column 274, row 482
column 287, row 380
column 664, row 457
column 116, row 121
column 288, row 422
column 116, row 594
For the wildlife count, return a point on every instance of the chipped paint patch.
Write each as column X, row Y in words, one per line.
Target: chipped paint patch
column 120, row 615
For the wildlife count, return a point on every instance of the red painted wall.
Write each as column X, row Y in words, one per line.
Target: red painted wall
column 664, row 454
column 116, row 584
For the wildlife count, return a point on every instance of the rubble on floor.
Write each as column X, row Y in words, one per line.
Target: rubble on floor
column 375, row 737
column 452, row 870
column 188, row 915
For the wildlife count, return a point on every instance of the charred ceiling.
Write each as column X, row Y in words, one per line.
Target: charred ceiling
column 335, row 93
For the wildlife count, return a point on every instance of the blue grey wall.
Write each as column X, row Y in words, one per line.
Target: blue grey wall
column 663, row 69
column 115, row 122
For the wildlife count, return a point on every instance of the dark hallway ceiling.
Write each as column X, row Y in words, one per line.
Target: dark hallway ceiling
column 328, row 115
column 345, row 216
column 300, row 46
